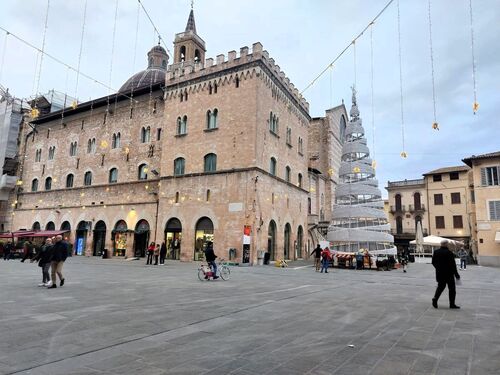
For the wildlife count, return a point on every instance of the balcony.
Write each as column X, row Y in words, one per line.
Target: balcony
column 408, row 232
column 398, row 209
column 312, row 220
column 413, row 208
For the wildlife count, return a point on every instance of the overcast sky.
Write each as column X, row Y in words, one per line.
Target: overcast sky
column 303, row 36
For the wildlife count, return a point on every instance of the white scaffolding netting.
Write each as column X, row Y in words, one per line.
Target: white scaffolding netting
column 359, row 222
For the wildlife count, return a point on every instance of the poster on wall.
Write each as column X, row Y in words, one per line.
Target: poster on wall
column 79, row 246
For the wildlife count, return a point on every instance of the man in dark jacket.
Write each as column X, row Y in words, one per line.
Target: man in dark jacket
column 59, row 255
column 163, row 253
column 7, row 249
column 43, row 256
column 317, row 256
column 210, row 258
column 443, row 261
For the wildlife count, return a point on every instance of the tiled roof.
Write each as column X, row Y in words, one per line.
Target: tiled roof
column 490, row 155
column 460, row 168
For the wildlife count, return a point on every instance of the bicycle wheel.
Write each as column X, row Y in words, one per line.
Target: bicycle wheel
column 201, row 274
column 224, row 272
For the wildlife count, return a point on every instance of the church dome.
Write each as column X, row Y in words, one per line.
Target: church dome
column 146, row 77
column 155, row 72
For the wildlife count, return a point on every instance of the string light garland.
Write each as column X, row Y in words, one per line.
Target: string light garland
column 346, row 48
column 155, row 28
column 374, row 164
column 435, row 124
column 4, row 48
column 74, row 104
column 113, row 46
column 46, row 24
column 403, row 154
column 59, row 61
column 475, row 105
column 136, row 34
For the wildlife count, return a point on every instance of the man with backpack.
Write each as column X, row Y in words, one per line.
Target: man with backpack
column 325, row 259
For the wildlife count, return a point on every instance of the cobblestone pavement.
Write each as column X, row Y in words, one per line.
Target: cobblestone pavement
column 120, row 317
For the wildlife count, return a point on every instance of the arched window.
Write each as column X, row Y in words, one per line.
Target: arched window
column 113, row 175
column 142, row 172
column 288, row 172
column 48, row 183
column 197, row 56
column 182, row 125
column 69, row 180
column 50, row 226
column 34, row 185
column 52, row 151
column 179, row 165
column 145, row 134
column 91, row 146
column 210, row 163
column 73, row 148
column 417, row 201
column 272, row 166
column 36, row 226
column 116, row 140
column 182, row 53
column 38, row 155
column 164, row 63
column 208, row 195
column 300, row 180
column 342, row 129
column 87, row 179
column 397, row 198
column 212, row 119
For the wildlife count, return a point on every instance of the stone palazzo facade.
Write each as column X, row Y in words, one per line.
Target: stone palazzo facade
column 194, row 151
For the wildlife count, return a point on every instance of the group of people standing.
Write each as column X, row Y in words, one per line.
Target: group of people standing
column 322, row 258
column 158, row 252
column 52, row 256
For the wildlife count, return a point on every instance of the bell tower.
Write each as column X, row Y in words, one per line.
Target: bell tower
column 188, row 46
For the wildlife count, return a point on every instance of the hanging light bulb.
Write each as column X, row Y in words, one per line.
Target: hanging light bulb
column 374, row 164
column 330, row 171
column 19, row 182
column 404, row 155
column 35, row 112
column 435, row 126
column 475, row 107
column 356, row 170
column 104, row 144
column 74, row 104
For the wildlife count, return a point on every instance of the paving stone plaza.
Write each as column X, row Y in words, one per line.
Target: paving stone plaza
column 119, row 317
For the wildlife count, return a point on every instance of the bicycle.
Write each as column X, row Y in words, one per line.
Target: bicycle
column 205, row 271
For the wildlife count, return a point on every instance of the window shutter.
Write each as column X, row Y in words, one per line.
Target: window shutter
column 494, row 207
column 483, row 176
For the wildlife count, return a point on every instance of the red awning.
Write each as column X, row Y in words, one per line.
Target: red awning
column 30, row 233
column 47, row 233
column 20, row 233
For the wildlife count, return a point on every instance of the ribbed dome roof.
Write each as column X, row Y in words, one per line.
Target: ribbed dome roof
column 147, row 77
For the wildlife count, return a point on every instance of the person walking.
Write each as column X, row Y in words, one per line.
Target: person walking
column 443, row 261
column 325, row 259
column 157, row 254
column 163, row 253
column 317, row 256
column 59, row 254
column 151, row 250
column 360, row 260
column 463, row 259
column 27, row 251
column 43, row 256
column 210, row 258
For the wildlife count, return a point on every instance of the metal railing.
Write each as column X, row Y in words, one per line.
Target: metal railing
column 413, row 208
column 401, row 208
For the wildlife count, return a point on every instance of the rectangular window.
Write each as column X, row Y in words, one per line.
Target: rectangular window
column 455, row 198
column 472, row 197
column 438, row 199
column 436, row 178
column 454, row 176
column 457, row 221
column 158, row 134
column 439, row 222
column 490, row 176
column 494, row 209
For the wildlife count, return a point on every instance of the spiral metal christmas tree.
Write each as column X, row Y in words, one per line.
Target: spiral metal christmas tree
column 359, row 222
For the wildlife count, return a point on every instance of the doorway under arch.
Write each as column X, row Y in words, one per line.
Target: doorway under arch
column 173, row 236
column 271, row 240
column 50, row 226
column 35, row 226
column 141, row 238
column 204, row 233
column 81, row 237
column 119, row 238
column 99, row 240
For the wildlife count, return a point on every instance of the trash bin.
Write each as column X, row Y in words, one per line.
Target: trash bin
column 105, row 254
column 267, row 256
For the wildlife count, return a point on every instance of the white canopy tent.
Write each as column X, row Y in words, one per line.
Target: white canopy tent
column 436, row 241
